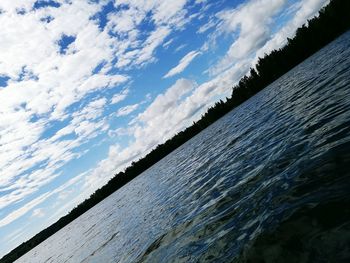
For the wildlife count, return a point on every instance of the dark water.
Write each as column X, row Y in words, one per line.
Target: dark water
column 269, row 182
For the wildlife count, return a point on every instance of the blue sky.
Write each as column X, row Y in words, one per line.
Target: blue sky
column 86, row 87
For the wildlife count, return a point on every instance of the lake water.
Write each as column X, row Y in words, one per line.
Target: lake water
column 270, row 180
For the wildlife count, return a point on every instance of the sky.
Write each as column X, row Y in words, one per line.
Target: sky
column 88, row 86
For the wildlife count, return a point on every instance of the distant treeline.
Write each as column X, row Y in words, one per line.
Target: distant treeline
column 333, row 20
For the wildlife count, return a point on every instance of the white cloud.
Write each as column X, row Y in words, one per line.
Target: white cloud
column 304, row 11
column 252, row 22
column 44, row 84
column 37, row 201
column 23, row 210
column 183, row 64
column 201, row 1
column 127, row 110
column 38, row 213
column 182, row 46
column 154, row 125
column 168, row 43
column 204, row 28
column 165, row 102
column 119, row 96
column 58, row 82
column 166, row 16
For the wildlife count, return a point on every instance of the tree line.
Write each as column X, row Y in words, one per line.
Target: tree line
column 332, row 21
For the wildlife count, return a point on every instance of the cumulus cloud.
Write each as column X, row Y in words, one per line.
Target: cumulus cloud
column 38, row 213
column 161, row 119
column 180, row 47
column 43, row 84
column 252, row 22
column 183, row 64
column 168, row 43
column 119, row 96
column 305, row 10
column 127, row 110
column 204, row 28
column 23, row 210
column 166, row 16
column 54, row 102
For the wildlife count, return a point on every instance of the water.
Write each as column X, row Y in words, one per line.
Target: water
column 270, row 179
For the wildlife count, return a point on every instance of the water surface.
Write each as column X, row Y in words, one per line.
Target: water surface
column 270, row 179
